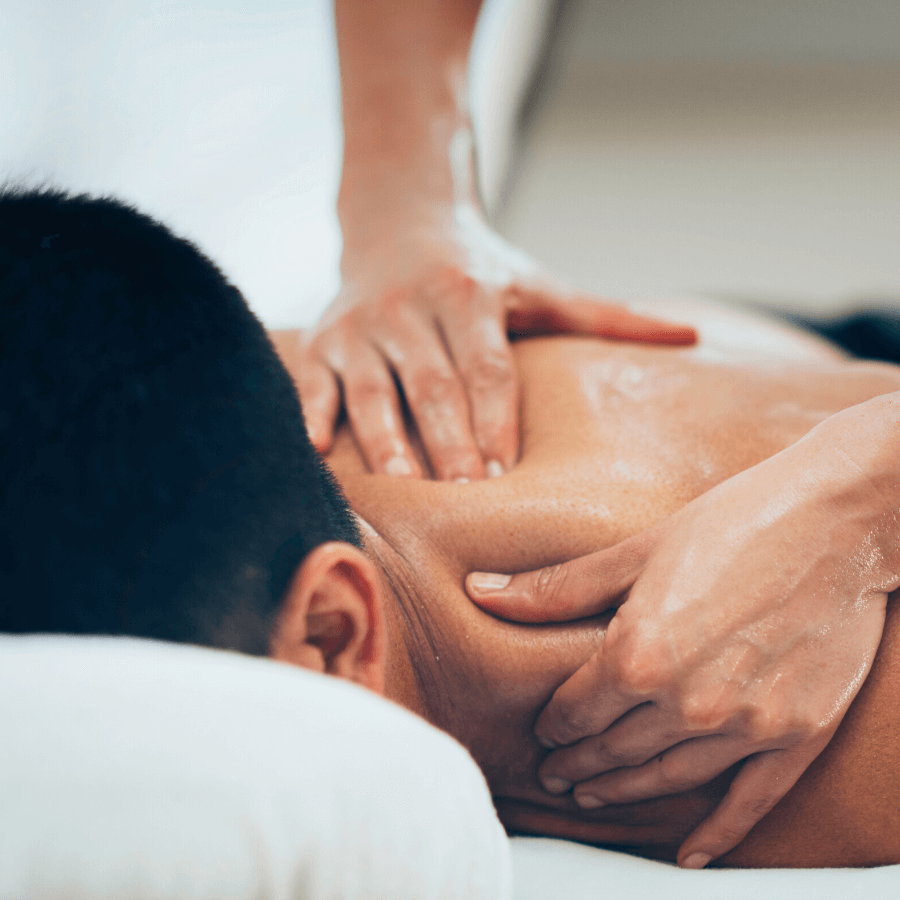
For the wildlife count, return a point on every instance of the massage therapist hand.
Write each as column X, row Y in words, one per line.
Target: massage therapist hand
column 430, row 302
column 746, row 624
column 429, row 290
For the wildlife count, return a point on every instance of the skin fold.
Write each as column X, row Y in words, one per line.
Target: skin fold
column 615, row 438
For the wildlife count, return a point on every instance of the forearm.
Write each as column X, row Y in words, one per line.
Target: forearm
column 407, row 138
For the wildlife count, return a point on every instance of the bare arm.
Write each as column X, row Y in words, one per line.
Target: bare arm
column 429, row 290
column 403, row 92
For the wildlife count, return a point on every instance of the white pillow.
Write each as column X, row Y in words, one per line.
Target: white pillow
column 139, row 769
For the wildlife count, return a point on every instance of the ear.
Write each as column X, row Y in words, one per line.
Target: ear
column 332, row 618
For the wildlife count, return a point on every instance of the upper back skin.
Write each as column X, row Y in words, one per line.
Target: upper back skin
column 615, row 437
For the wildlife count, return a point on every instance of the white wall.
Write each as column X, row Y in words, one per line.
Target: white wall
column 220, row 118
column 743, row 149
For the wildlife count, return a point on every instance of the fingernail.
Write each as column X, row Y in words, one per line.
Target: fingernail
column 493, row 468
column 696, row 861
column 588, row 801
column 556, row 785
column 485, row 582
column 397, row 465
column 546, row 742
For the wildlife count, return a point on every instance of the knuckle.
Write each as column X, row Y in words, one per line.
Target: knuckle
column 489, row 371
column 334, row 350
column 571, row 727
column 700, row 712
column 454, row 282
column 550, row 585
column 771, row 726
column 546, row 580
column 433, row 388
column 641, row 666
column 363, row 391
column 758, row 807
column 394, row 302
column 808, row 726
column 764, row 724
column 569, row 722
column 808, row 730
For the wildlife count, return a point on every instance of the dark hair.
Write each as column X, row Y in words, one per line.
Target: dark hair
column 156, row 478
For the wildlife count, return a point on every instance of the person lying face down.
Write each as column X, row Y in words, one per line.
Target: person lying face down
column 157, row 481
column 616, row 437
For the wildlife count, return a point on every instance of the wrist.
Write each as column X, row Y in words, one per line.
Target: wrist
column 855, row 460
column 407, row 219
column 436, row 166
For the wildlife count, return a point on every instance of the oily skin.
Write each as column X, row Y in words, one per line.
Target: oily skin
column 745, row 625
column 615, row 438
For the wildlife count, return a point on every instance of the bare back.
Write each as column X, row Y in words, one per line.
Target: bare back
column 615, row 437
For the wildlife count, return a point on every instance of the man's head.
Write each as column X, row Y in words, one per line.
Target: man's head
column 156, row 478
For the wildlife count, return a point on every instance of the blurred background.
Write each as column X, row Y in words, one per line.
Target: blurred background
column 745, row 151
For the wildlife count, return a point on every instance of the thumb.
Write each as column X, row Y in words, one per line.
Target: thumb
column 572, row 590
column 554, row 309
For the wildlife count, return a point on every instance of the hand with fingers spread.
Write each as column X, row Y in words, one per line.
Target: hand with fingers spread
column 431, row 306
column 745, row 625
column 429, row 291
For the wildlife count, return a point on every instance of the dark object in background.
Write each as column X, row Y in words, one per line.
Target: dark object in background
column 869, row 334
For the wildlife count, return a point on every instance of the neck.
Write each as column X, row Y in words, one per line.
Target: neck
column 400, row 684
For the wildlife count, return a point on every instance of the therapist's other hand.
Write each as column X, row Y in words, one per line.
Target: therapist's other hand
column 426, row 306
column 746, row 624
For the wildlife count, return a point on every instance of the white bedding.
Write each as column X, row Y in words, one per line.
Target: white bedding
column 135, row 769
column 546, row 869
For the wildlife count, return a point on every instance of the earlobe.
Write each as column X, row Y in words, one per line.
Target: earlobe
column 331, row 619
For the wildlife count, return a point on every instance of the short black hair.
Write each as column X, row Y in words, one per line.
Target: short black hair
column 156, row 477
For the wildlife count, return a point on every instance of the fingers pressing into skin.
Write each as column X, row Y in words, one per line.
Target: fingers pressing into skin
column 436, row 294
column 555, row 594
column 635, row 738
column 550, row 308
column 436, row 397
column 317, row 385
column 483, row 357
column 320, row 398
column 619, row 323
column 680, row 768
column 583, row 587
column 587, row 704
column 373, row 410
column 762, row 781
